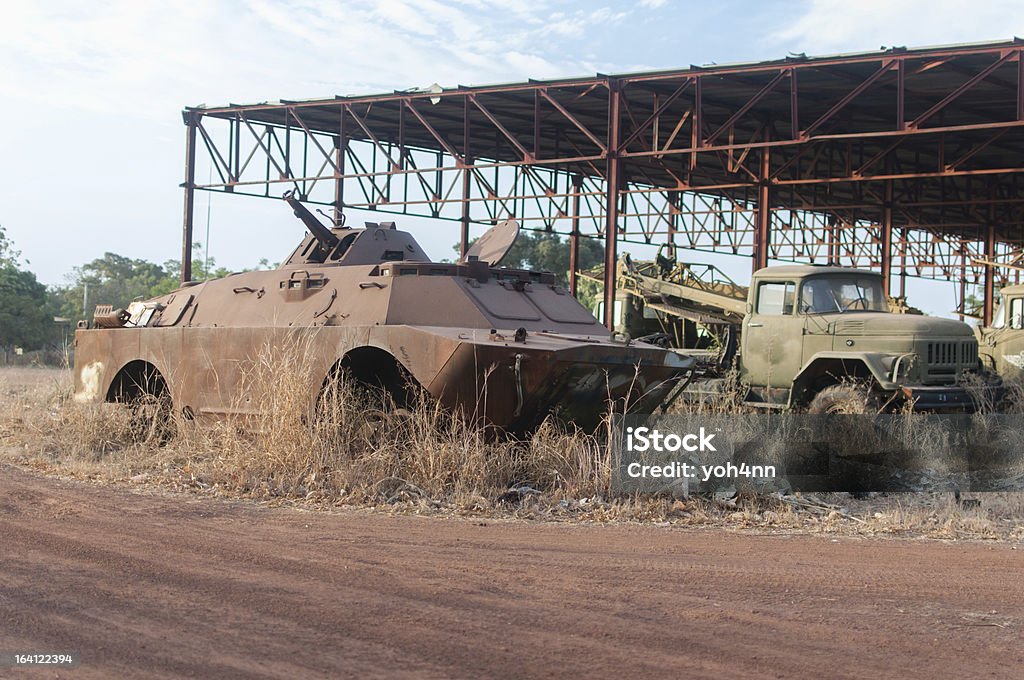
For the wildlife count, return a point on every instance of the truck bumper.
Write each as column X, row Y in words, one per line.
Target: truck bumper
column 951, row 398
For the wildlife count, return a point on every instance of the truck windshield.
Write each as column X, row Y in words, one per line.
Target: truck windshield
column 831, row 294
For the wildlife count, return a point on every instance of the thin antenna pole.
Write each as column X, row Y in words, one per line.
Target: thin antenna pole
column 206, row 249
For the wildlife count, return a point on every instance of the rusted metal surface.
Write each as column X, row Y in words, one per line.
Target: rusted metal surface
column 505, row 347
column 191, row 124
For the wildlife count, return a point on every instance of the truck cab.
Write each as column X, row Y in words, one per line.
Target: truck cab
column 808, row 329
column 1002, row 344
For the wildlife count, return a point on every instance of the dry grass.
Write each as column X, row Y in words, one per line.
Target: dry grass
column 347, row 450
column 720, row 397
column 347, row 446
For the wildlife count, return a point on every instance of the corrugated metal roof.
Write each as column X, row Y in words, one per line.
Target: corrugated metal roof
column 693, row 68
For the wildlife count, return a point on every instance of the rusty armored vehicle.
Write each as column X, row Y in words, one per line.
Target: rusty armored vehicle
column 506, row 347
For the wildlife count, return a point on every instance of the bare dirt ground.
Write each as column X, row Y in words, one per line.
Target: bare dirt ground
column 160, row 585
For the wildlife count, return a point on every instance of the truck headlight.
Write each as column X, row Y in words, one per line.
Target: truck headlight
column 901, row 367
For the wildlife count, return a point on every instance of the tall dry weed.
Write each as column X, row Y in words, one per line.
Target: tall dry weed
column 344, row 441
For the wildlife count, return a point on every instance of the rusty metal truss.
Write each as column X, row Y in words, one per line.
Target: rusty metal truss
column 908, row 162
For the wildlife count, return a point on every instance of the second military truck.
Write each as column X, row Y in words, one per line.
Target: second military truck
column 1002, row 343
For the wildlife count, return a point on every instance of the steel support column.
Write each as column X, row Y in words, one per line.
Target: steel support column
column 990, row 275
column 340, row 146
column 962, row 307
column 675, row 212
column 886, row 245
column 574, row 235
column 833, row 241
column 903, row 262
column 762, row 233
column 614, row 174
column 467, row 175
column 190, row 197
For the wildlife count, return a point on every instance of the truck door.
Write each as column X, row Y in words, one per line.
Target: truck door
column 772, row 339
column 1004, row 341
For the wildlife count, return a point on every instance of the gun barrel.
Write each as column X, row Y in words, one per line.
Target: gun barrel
column 321, row 233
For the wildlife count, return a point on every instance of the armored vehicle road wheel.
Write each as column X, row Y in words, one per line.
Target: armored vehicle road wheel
column 846, row 398
column 379, row 424
column 141, row 388
column 152, row 417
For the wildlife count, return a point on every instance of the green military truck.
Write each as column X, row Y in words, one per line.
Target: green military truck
column 1001, row 345
column 809, row 330
column 824, row 339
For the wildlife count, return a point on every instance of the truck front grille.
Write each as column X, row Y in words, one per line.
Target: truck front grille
column 941, row 353
column 945, row 357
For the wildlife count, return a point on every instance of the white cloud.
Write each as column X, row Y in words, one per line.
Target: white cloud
column 653, row 4
column 150, row 58
column 576, row 24
column 827, row 26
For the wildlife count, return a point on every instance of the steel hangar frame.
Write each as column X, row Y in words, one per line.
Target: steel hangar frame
column 905, row 161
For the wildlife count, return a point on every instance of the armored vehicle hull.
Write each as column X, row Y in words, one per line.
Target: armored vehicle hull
column 504, row 347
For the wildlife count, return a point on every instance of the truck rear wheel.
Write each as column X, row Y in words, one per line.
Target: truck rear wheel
column 844, row 398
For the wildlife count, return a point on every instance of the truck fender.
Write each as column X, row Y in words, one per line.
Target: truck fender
column 828, row 368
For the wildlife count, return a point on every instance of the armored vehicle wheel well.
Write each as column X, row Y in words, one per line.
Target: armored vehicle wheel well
column 377, row 369
column 135, row 380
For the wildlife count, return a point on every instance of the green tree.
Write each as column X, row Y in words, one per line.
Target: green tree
column 26, row 319
column 8, row 255
column 112, row 279
column 548, row 252
column 117, row 280
column 973, row 305
column 203, row 268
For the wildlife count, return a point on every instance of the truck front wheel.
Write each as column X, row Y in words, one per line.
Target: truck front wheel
column 847, row 398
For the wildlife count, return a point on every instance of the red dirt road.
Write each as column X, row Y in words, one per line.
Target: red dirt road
column 147, row 585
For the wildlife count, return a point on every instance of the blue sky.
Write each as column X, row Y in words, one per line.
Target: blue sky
column 92, row 147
